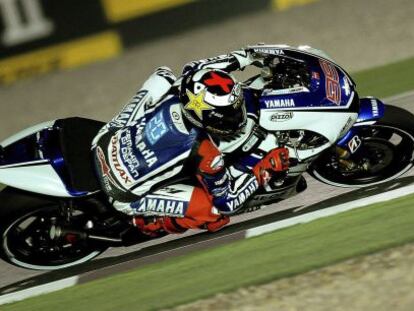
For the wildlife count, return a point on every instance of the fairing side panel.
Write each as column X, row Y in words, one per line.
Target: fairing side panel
column 39, row 178
column 371, row 109
column 33, row 160
column 328, row 124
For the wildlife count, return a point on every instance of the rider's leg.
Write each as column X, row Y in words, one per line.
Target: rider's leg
column 175, row 209
column 201, row 213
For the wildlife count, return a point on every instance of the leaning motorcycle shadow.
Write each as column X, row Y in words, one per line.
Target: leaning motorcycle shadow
column 102, row 267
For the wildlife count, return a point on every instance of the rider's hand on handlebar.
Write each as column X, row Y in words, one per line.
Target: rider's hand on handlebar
column 276, row 160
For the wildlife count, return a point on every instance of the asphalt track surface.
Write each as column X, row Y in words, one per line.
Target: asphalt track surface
column 382, row 29
column 317, row 196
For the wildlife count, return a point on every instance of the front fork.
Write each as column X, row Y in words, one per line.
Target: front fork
column 349, row 162
column 349, row 149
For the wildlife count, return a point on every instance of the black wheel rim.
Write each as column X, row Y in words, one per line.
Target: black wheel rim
column 389, row 152
column 27, row 241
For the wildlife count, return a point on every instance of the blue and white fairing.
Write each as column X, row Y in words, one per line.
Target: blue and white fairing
column 330, row 86
column 371, row 110
column 328, row 105
column 32, row 160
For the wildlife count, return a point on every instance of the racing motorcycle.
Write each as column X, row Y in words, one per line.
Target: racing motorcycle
column 53, row 213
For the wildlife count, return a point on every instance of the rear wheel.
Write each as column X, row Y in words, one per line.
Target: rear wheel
column 387, row 152
column 27, row 237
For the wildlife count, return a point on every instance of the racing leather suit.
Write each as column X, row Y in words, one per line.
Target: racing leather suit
column 144, row 154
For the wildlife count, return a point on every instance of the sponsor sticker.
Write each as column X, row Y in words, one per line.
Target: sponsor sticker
column 197, row 104
column 354, row 143
column 160, row 207
column 280, row 103
column 105, row 171
column 243, row 196
column 128, row 114
column 128, row 155
column 292, row 90
column 271, row 51
column 375, row 109
column 281, row 116
column 148, row 154
column 115, row 152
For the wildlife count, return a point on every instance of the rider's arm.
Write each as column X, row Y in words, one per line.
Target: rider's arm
column 236, row 60
column 229, row 194
column 151, row 92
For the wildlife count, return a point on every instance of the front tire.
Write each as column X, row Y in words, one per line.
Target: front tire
column 26, row 220
column 388, row 148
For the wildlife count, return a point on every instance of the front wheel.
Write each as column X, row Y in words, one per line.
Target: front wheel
column 386, row 152
column 26, row 224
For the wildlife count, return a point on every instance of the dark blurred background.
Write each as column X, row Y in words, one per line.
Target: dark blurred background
column 87, row 57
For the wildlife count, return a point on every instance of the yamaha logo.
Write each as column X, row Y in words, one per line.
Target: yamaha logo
column 281, row 116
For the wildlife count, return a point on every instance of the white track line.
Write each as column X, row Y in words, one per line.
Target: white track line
column 39, row 290
column 399, row 97
column 382, row 197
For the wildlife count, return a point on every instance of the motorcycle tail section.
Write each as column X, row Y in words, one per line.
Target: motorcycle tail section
column 49, row 158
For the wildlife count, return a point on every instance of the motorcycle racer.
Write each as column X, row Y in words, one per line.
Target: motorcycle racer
column 169, row 130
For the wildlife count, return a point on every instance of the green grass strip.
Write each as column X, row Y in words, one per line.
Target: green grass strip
column 387, row 80
column 254, row 261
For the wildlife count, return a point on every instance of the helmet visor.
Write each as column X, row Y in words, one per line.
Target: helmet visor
column 229, row 121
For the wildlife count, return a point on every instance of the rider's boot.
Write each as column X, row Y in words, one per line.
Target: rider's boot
column 200, row 214
column 157, row 226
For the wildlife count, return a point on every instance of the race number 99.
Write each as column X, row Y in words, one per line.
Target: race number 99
column 332, row 86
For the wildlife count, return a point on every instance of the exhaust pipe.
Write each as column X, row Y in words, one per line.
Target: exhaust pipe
column 57, row 232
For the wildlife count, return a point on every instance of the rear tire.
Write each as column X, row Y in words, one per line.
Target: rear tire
column 24, row 222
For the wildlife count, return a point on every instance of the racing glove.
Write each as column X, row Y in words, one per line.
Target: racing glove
column 276, row 160
column 236, row 60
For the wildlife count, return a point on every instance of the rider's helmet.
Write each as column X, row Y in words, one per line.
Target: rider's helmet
column 213, row 100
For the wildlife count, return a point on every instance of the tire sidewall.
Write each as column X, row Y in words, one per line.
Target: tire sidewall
column 17, row 204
